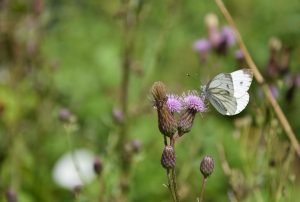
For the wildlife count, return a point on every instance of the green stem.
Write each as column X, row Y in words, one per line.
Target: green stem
column 170, row 185
column 174, row 183
column 202, row 188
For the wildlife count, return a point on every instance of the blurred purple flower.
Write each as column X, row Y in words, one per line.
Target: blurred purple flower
column 117, row 115
column 228, row 36
column 64, row 115
column 11, row 195
column 193, row 101
column 239, row 55
column 174, row 103
column 202, row 45
column 136, row 145
column 274, row 91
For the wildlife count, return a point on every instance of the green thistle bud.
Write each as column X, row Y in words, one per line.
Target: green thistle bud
column 168, row 158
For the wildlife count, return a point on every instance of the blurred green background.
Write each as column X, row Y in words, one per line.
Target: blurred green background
column 70, row 55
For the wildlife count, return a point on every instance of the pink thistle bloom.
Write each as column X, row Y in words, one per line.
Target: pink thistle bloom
column 174, row 103
column 228, row 35
column 193, row 101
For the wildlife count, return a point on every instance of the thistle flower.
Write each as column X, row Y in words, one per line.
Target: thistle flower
column 239, row 55
column 212, row 23
column 202, row 46
column 166, row 120
column 228, row 36
column 168, row 158
column 207, row 166
column 193, row 103
column 174, row 103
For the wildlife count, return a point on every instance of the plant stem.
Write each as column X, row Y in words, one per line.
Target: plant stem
column 202, row 188
column 129, row 22
column 170, row 185
column 173, row 173
column 260, row 79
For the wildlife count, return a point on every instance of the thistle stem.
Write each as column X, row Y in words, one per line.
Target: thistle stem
column 202, row 189
column 174, row 184
column 170, row 185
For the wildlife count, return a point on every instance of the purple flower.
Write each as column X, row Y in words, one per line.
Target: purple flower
column 174, row 103
column 274, row 91
column 202, row 45
column 193, row 101
column 239, row 55
column 228, row 36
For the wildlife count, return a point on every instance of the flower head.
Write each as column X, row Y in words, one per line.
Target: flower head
column 166, row 121
column 168, row 157
column 228, row 36
column 239, row 55
column 202, row 45
column 174, row 103
column 207, row 166
column 193, row 101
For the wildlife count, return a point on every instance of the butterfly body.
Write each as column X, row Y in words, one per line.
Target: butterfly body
column 228, row 92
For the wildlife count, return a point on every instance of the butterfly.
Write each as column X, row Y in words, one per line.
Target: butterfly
column 228, row 92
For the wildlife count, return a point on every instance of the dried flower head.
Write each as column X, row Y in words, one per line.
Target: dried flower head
column 166, row 121
column 193, row 101
column 159, row 93
column 207, row 166
column 168, row 158
column 174, row 103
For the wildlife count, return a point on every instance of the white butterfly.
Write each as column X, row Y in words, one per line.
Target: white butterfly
column 227, row 92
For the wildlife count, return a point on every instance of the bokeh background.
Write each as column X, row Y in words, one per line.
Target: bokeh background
column 77, row 74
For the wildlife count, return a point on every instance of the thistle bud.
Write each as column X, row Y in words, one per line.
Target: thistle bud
column 98, row 166
column 11, row 195
column 193, row 103
column 186, row 121
column 168, row 158
column 64, row 115
column 207, row 166
column 166, row 120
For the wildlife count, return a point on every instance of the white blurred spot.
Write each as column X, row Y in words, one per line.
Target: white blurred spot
column 65, row 173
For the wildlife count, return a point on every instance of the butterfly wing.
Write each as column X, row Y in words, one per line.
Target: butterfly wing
column 221, row 82
column 224, row 104
column 241, row 81
column 228, row 92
